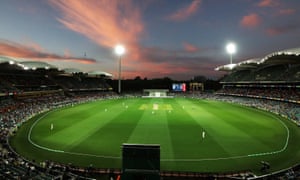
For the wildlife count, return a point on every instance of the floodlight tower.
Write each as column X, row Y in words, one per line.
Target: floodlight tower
column 231, row 49
column 119, row 50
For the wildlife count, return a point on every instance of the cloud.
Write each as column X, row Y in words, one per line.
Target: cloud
column 190, row 47
column 108, row 23
column 35, row 52
column 185, row 12
column 273, row 31
column 250, row 21
column 159, row 62
column 104, row 22
column 268, row 3
column 287, row 11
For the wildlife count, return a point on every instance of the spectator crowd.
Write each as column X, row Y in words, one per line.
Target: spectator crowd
column 16, row 111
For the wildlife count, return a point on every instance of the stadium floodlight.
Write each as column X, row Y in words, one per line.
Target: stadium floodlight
column 231, row 49
column 119, row 50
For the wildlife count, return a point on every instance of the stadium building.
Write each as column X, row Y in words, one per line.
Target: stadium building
column 32, row 78
column 30, row 89
column 275, row 76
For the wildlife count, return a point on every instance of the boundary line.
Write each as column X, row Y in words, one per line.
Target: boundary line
column 36, row 145
column 163, row 160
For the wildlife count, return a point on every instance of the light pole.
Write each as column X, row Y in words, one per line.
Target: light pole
column 119, row 50
column 231, row 49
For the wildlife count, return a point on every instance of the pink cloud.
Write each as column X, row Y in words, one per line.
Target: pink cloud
column 268, row 3
column 152, row 70
column 190, row 48
column 34, row 46
column 158, row 62
column 287, row 11
column 106, row 23
column 185, row 12
column 32, row 52
column 250, row 21
column 273, row 31
column 67, row 53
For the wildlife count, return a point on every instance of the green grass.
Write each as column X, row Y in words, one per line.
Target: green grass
column 237, row 137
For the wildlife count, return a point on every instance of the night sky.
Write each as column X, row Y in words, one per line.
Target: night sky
column 179, row 39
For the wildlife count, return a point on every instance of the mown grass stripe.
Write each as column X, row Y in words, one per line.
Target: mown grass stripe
column 183, row 118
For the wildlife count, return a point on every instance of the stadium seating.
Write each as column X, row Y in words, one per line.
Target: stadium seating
column 15, row 108
column 18, row 82
column 81, row 82
column 265, row 73
column 237, row 76
column 293, row 73
column 270, row 83
column 14, row 111
column 24, row 93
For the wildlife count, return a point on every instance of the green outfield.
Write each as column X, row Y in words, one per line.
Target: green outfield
column 235, row 137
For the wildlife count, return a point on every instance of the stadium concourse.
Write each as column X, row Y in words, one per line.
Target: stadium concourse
column 29, row 88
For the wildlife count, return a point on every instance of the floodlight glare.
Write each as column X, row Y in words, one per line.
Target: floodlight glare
column 231, row 49
column 119, row 50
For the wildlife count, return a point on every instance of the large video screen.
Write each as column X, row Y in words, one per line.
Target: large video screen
column 179, row 87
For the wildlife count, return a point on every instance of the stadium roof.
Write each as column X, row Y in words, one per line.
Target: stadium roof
column 279, row 57
column 100, row 73
column 5, row 59
column 248, row 64
column 72, row 70
column 90, row 73
column 33, row 65
column 282, row 56
column 26, row 65
column 36, row 65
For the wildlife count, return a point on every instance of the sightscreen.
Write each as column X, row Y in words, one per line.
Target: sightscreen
column 140, row 161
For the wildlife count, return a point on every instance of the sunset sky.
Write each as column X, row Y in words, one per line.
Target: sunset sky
column 179, row 39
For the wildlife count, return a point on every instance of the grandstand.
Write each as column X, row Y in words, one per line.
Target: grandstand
column 23, row 78
column 29, row 88
column 280, row 67
column 274, row 76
